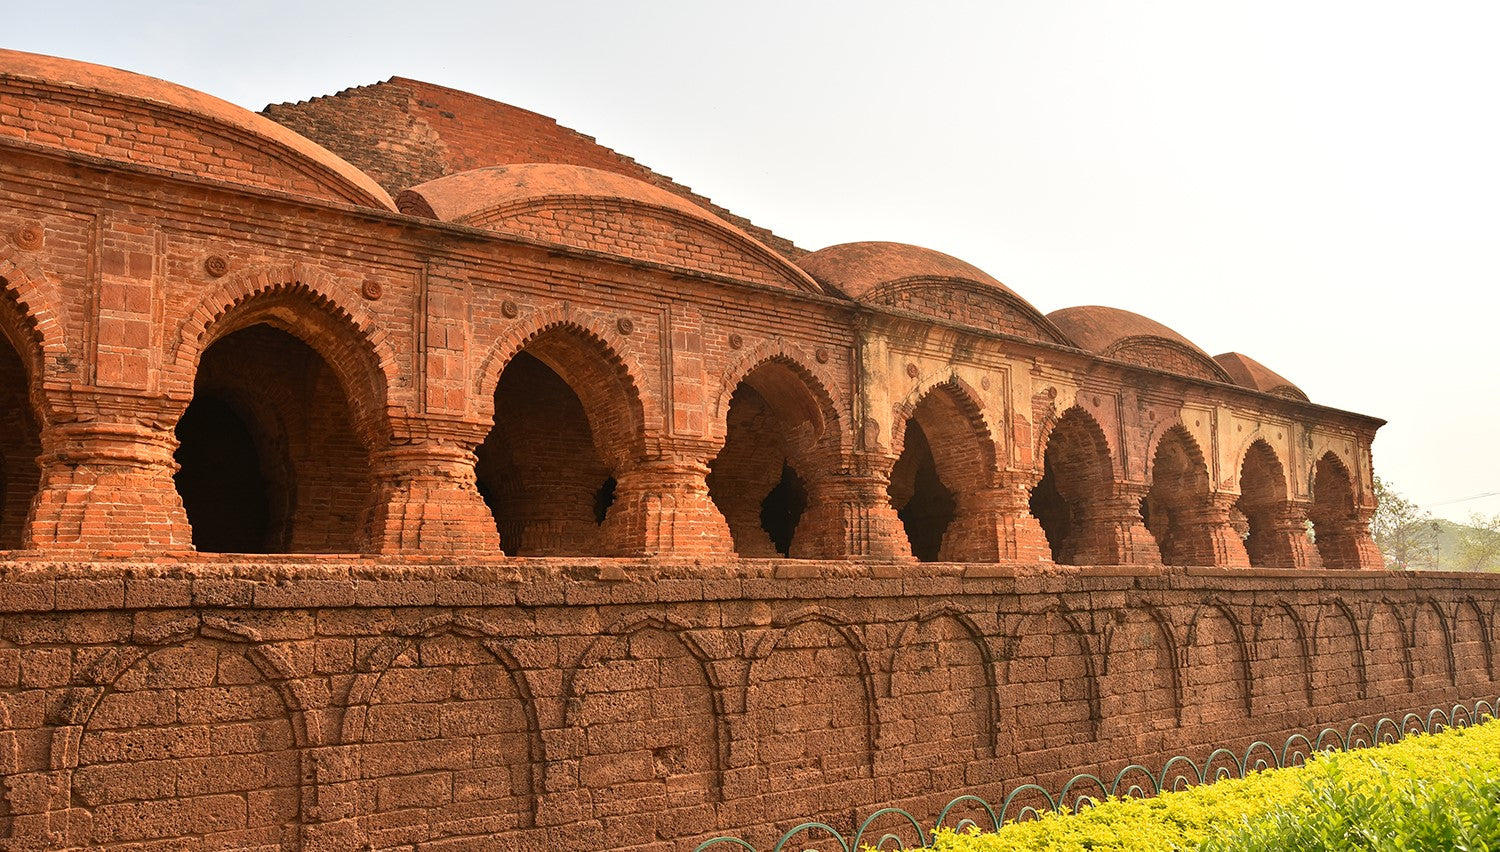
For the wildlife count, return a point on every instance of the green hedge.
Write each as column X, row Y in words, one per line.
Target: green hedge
column 1439, row 792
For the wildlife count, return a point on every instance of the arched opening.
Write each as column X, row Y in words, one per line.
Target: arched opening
column 1179, row 479
column 540, row 469
column 760, row 478
column 269, row 459
column 20, row 442
column 1075, row 474
column 923, row 504
column 946, row 457
column 1262, row 490
column 1332, row 513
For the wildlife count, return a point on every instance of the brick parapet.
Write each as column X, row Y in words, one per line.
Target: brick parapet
column 921, row 681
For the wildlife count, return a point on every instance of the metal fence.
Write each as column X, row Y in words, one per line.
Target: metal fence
column 1135, row 780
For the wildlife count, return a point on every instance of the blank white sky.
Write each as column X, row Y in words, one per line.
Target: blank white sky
column 1314, row 184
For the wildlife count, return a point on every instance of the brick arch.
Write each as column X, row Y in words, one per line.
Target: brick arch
column 1261, row 479
column 1336, row 525
column 1178, row 478
column 1144, row 671
column 1052, row 681
column 937, row 687
column 1386, row 638
column 454, row 691
column 1078, row 472
column 1473, row 655
column 818, row 381
column 686, row 735
column 833, row 699
column 37, row 329
column 1220, row 682
column 1104, row 442
column 595, row 363
column 962, row 419
column 1431, row 649
column 309, row 305
column 1274, row 684
column 207, row 694
column 1341, row 672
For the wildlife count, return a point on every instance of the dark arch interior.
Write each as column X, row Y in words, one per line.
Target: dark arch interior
column 1262, row 487
column 1178, row 477
column 539, row 469
column 20, row 445
column 1332, row 514
column 268, row 458
column 759, row 478
column 224, row 492
column 1075, row 473
column 926, row 508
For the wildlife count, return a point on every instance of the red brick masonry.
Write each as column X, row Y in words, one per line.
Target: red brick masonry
column 477, row 487
column 539, row 706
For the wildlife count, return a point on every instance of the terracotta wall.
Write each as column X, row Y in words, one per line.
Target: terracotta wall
column 560, row 705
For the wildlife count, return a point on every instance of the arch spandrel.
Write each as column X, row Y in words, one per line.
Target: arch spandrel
column 597, row 364
column 311, row 306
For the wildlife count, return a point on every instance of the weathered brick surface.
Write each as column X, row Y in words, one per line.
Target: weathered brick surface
column 596, row 521
column 605, row 714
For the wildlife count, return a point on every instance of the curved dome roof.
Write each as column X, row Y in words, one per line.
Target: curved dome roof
column 1126, row 336
column 897, row 273
column 502, row 197
column 1250, row 373
column 249, row 149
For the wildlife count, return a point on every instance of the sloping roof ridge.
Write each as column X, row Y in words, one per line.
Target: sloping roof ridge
column 775, row 241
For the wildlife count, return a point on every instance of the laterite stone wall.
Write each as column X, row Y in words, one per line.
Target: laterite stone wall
column 562, row 705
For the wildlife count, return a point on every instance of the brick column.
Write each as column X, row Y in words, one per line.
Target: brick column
column 1208, row 534
column 662, row 507
column 1111, row 531
column 996, row 525
column 849, row 515
column 426, row 499
column 1281, row 540
column 106, row 477
column 1345, row 542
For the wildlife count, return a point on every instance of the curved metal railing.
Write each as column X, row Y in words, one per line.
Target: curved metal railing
column 1029, row 801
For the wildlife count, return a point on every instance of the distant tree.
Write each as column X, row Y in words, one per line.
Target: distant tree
column 1479, row 544
column 1404, row 532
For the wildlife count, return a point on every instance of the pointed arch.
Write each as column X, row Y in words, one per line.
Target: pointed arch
column 1077, row 474
column 36, row 327
column 309, row 305
column 944, row 684
column 447, row 697
column 782, row 440
column 820, row 405
column 651, row 688
column 1051, row 680
column 176, row 701
column 946, row 458
column 1281, row 661
column 1218, row 664
column 1342, row 672
column 1179, row 482
column 1473, row 655
column 1142, row 672
column 22, row 412
column 1263, row 494
column 1336, row 526
column 593, row 360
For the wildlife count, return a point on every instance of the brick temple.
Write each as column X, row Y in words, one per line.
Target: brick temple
column 399, row 469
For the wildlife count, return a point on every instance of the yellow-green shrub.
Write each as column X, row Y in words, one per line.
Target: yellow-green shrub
column 1442, row 789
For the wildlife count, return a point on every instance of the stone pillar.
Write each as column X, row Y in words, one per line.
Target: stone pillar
column 1111, row 531
column 849, row 514
column 996, row 525
column 1208, row 534
column 426, row 498
column 1344, row 541
column 662, row 507
column 1279, row 539
column 106, row 478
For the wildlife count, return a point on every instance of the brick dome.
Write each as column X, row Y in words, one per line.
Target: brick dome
column 104, row 112
column 1130, row 337
column 1250, row 373
column 927, row 282
column 600, row 210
